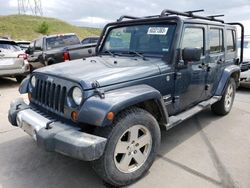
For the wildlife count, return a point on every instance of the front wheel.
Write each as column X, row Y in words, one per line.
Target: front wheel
column 224, row 106
column 133, row 142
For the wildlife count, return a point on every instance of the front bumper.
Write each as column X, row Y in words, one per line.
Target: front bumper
column 54, row 135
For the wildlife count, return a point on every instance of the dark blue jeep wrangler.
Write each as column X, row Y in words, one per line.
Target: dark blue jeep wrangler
column 149, row 72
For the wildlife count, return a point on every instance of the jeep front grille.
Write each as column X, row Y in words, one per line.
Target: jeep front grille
column 50, row 95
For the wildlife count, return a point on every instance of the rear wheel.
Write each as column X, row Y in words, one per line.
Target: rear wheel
column 224, row 106
column 132, row 145
column 19, row 79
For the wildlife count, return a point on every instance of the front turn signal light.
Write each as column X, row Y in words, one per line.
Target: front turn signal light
column 74, row 116
column 110, row 116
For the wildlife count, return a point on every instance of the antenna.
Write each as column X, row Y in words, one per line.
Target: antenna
column 33, row 7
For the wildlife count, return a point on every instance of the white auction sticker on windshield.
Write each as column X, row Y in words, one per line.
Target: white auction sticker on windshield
column 157, row 31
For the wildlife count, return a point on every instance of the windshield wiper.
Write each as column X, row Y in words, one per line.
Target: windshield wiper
column 110, row 53
column 138, row 54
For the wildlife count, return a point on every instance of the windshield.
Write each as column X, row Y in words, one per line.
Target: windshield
column 61, row 41
column 151, row 39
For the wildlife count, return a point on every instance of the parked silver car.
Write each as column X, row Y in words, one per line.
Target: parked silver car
column 13, row 61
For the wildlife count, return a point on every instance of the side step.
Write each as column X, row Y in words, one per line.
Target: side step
column 175, row 120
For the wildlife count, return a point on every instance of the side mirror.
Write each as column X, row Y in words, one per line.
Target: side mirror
column 191, row 54
column 29, row 51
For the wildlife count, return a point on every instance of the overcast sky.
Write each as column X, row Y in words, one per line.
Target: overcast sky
column 95, row 13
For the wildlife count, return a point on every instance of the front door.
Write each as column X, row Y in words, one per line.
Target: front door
column 191, row 80
column 36, row 57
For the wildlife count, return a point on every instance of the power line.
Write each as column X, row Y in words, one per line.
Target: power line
column 33, row 7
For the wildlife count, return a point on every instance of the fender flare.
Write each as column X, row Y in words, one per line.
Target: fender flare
column 95, row 109
column 24, row 86
column 50, row 59
column 226, row 75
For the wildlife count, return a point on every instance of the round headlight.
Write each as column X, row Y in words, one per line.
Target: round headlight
column 33, row 81
column 77, row 95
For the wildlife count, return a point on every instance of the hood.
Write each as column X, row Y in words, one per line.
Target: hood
column 105, row 70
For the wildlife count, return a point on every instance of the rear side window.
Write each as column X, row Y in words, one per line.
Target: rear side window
column 61, row 41
column 193, row 38
column 231, row 38
column 86, row 41
column 216, row 40
column 94, row 40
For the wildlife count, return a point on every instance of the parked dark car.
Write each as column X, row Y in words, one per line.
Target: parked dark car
column 90, row 40
column 53, row 49
column 149, row 73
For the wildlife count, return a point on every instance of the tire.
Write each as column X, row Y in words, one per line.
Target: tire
column 19, row 79
column 125, row 161
column 224, row 106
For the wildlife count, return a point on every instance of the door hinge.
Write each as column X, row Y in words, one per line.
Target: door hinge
column 207, row 86
column 177, row 75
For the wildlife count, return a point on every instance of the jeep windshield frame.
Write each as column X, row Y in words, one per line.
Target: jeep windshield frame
column 152, row 39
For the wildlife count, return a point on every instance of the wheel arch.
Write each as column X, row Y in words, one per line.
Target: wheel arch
column 50, row 62
column 232, row 71
column 94, row 111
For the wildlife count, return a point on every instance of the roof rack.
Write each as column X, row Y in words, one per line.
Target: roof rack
column 190, row 14
column 168, row 12
column 126, row 17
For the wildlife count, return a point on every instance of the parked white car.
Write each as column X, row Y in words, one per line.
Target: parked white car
column 246, row 56
column 13, row 61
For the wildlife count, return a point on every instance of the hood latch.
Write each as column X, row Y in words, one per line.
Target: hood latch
column 97, row 89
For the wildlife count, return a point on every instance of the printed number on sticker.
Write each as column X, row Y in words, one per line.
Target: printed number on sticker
column 157, row 31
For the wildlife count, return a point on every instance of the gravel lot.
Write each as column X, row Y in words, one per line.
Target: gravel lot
column 205, row 151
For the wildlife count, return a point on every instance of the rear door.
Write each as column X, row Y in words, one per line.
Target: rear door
column 216, row 60
column 190, row 81
column 9, row 55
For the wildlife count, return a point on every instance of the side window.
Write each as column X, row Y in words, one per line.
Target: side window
column 38, row 44
column 231, row 40
column 216, row 41
column 193, row 38
column 86, row 41
column 31, row 46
